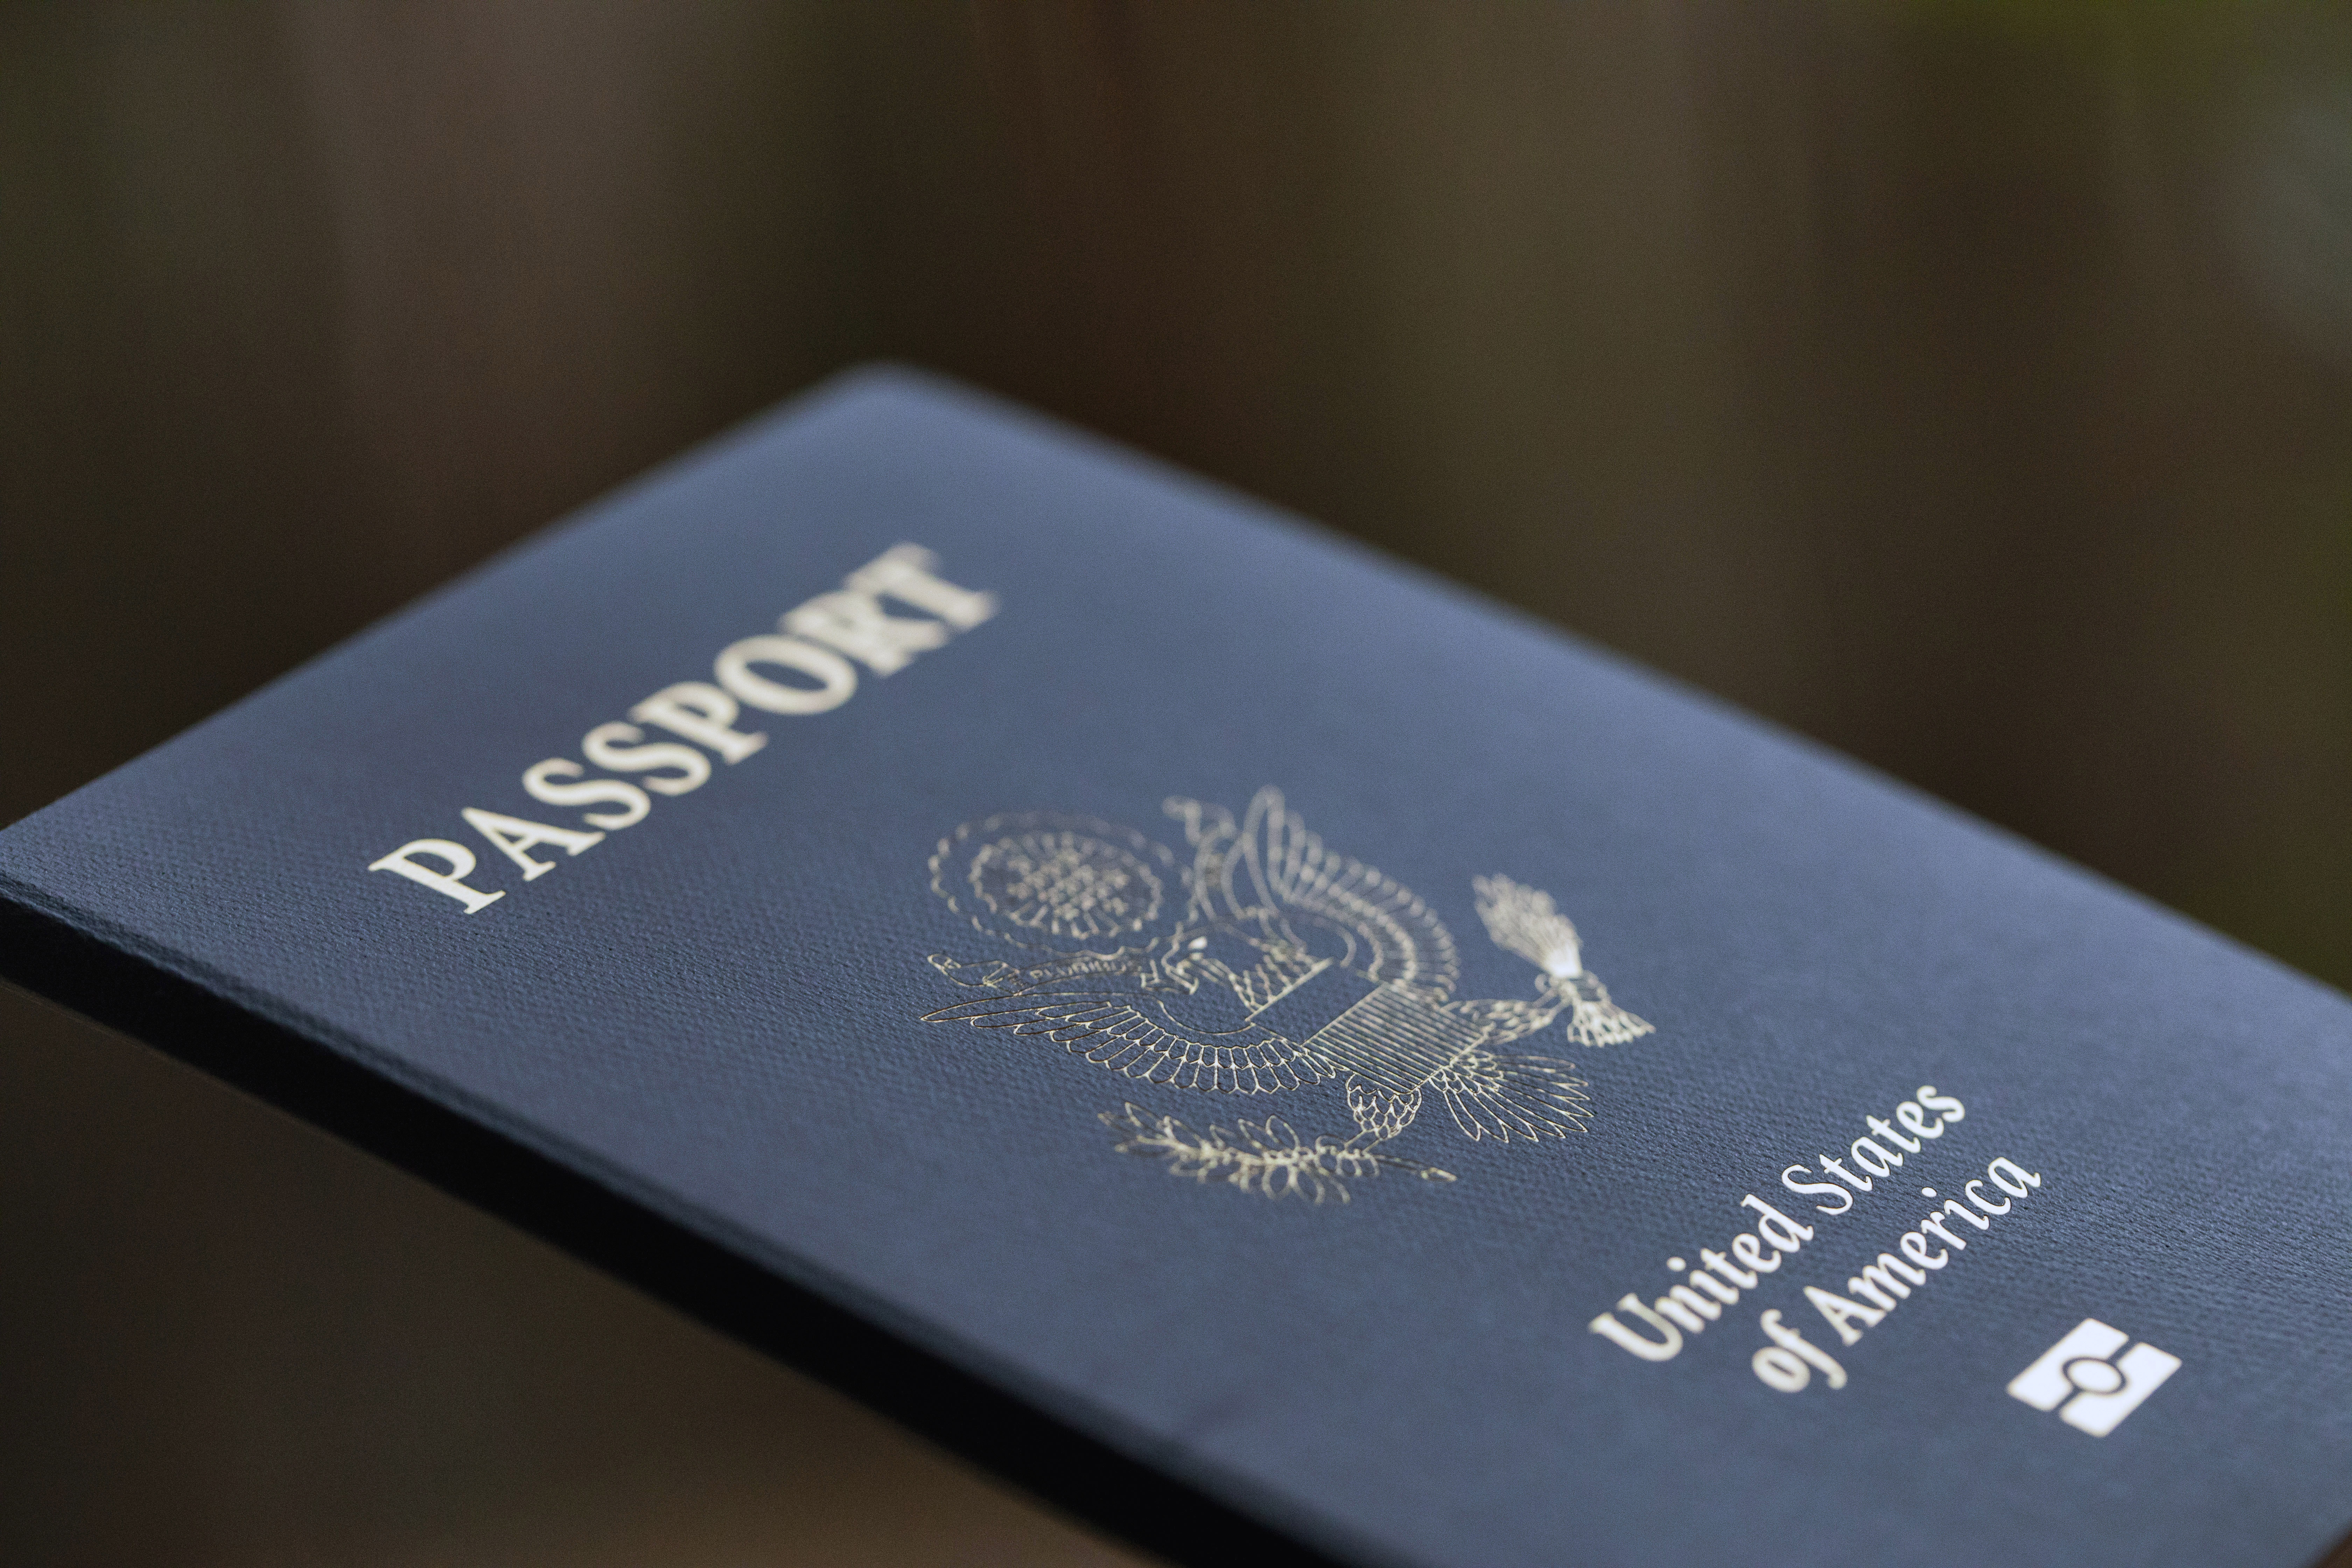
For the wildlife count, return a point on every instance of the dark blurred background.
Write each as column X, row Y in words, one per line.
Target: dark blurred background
column 1967, row 386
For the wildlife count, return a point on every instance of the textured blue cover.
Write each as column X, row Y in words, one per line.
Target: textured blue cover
column 721, row 1012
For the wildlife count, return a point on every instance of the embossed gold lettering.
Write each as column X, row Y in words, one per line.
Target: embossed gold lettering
column 1664, row 1348
column 836, row 677
column 450, row 883
column 539, row 783
column 856, row 624
column 1814, row 1189
column 904, row 573
column 614, row 746
column 701, row 713
column 514, row 837
column 812, row 658
column 1785, row 1234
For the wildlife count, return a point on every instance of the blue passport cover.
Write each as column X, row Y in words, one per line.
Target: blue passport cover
column 1259, row 1046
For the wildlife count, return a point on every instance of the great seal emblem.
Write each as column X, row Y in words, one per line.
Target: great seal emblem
column 1268, row 964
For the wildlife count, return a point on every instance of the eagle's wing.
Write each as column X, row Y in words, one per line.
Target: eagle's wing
column 1392, row 934
column 1504, row 1096
column 1129, row 1032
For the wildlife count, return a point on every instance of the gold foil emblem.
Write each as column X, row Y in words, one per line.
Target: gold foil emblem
column 1267, row 965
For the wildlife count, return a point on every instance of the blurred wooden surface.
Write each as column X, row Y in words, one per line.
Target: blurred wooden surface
column 1968, row 386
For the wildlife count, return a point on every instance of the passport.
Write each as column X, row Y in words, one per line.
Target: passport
column 1260, row 1047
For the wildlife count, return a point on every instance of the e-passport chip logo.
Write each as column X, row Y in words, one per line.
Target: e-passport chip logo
column 2104, row 1387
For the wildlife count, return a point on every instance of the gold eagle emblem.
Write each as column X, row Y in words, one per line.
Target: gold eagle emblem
column 1267, row 965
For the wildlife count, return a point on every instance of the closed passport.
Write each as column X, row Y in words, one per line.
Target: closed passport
column 1259, row 1046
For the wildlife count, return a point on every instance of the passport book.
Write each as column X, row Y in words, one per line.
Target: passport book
column 1262, row 1048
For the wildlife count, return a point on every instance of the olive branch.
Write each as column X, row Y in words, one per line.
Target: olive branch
column 1269, row 1157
